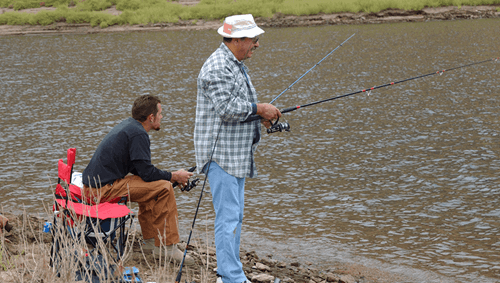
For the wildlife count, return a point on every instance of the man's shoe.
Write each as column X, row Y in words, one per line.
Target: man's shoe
column 219, row 280
column 148, row 245
column 172, row 253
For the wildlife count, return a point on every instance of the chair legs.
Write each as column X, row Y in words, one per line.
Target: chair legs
column 83, row 245
column 83, row 232
column 54, row 249
column 110, row 232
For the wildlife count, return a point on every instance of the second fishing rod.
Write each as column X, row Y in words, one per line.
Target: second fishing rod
column 280, row 127
column 221, row 125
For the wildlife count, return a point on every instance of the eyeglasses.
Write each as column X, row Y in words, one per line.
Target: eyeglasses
column 255, row 39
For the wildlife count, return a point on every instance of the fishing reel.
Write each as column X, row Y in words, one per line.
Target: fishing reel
column 278, row 127
column 190, row 185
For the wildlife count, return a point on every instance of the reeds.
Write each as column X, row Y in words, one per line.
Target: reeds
column 33, row 257
column 27, row 259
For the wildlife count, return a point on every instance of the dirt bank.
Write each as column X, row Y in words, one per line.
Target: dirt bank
column 24, row 254
column 278, row 20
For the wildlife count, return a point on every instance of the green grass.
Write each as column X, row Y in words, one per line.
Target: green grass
column 156, row 11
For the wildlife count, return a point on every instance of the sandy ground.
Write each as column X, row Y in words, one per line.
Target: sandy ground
column 278, row 20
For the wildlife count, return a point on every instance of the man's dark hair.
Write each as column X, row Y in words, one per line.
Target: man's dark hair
column 144, row 106
column 227, row 39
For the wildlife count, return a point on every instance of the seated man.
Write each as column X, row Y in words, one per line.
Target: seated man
column 126, row 149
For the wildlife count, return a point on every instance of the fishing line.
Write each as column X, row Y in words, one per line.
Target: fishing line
column 283, row 126
column 179, row 275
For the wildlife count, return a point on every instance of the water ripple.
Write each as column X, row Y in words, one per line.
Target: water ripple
column 407, row 176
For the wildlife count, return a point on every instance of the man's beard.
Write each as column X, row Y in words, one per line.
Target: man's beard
column 250, row 50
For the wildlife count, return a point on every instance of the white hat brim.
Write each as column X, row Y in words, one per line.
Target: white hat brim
column 242, row 33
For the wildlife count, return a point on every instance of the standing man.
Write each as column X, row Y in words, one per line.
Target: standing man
column 126, row 149
column 224, row 146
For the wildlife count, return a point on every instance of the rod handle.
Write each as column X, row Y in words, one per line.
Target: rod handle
column 257, row 117
column 189, row 170
column 252, row 118
column 290, row 109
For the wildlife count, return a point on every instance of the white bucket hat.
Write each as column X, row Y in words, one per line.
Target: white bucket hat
column 240, row 26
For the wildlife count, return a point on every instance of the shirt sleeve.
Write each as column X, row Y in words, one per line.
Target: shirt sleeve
column 254, row 108
column 149, row 173
column 140, row 155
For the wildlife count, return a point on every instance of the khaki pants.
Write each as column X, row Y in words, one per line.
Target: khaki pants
column 157, row 206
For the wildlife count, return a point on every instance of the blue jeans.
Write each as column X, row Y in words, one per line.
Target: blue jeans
column 228, row 197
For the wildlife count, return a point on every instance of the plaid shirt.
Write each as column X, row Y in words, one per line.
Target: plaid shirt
column 225, row 97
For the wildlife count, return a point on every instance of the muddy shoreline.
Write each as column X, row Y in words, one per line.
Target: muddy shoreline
column 278, row 20
column 26, row 246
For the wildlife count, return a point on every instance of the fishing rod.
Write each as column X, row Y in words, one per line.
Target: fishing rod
column 179, row 274
column 279, row 127
column 290, row 86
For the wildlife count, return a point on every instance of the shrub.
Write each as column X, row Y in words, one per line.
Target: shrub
column 129, row 5
column 93, row 5
column 57, row 3
column 45, row 18
column 78, row 17
column 25, row 4
column 12, row 18
column 98, row 18
column 20, row 5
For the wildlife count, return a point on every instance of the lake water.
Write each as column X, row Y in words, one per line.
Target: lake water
column 405, row 179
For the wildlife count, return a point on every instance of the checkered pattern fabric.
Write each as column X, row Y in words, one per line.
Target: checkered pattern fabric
column 225, row 97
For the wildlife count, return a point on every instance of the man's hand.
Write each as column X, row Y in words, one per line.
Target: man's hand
column 266, row 123
column 181, row 176
column 268, row 111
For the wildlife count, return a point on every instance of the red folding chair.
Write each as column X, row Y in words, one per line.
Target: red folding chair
column 80, row 218
column 64, row 172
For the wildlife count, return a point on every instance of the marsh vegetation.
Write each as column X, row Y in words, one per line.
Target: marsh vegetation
column 164, row 11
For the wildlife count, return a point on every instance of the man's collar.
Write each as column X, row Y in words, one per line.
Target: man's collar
column 227, row 50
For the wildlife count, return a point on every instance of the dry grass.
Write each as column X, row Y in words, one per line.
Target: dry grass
column 26, row 253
